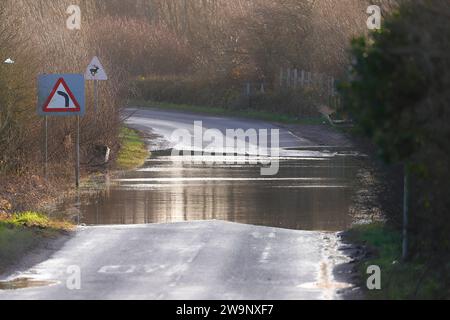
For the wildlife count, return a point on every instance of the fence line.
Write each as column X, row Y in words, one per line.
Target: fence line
column 295, row 78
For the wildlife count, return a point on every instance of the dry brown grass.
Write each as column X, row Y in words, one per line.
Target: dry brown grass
column 42, row 44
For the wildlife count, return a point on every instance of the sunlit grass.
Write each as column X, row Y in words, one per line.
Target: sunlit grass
column 400, row 280
column 36, row 220
column 133, row 151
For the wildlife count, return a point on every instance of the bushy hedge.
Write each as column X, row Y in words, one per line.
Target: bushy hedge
column 399, row 95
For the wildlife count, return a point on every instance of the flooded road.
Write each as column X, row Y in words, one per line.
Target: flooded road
column 311, row 191
column 307, row 194
column 204, row 227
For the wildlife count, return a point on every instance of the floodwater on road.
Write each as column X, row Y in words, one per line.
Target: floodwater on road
column 309, row 193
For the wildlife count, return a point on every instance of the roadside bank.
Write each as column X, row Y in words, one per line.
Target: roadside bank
column 378, row 244
column 27, row 220
column 133, row 151
column 22, row 232
column 375, row 239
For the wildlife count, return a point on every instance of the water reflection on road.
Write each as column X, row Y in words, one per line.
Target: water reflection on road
column 309, row 193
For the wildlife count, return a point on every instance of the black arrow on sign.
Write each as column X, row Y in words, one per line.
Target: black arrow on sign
column 66, row 96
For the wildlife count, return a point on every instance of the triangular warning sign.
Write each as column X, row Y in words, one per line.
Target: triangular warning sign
column 95, row 71
column 61, row 99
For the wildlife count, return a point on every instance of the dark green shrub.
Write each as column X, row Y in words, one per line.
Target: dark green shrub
column 399, row 95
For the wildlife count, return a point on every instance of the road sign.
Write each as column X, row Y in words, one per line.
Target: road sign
column 61, row 99
column 61, row 95
column 95, row 71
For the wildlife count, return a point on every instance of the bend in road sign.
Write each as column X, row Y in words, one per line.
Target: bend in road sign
column 61, row 99
column 61, row 95
column 95, row 71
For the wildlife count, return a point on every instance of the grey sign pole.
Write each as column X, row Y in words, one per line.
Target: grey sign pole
column 46, row 147
column 96, row 96
column 77, row 169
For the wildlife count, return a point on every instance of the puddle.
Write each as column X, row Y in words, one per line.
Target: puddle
column 308, row 193
column 24, row 283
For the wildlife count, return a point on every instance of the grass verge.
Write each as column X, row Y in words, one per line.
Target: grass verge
column 22, row 232
column 251, row 114
column 414, row 279
column 133, row 151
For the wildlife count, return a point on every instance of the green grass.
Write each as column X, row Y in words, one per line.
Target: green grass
column 251, row 114
column 30, row 219
column 35, row 220
column 400, row 280
column 133, row 151
column 22, row 232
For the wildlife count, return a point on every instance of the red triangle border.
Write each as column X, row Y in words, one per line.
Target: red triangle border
column 52, row 94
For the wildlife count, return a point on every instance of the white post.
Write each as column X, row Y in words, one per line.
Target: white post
column 405, row 214
column 302, row 80
column 249, row 94
column 289, row 77
column 295, row 78
column 281, row 77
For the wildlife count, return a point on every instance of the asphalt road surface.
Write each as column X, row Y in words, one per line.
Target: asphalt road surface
column 194, row 260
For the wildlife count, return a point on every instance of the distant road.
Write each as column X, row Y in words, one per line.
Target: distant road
column 164, row 123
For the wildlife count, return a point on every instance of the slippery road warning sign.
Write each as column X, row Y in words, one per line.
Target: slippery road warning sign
column 61, row 95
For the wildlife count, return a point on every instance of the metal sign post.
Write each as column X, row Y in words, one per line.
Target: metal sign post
column 46, row 148
column 77, row 169
column 62, row 95
column 96, row 96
